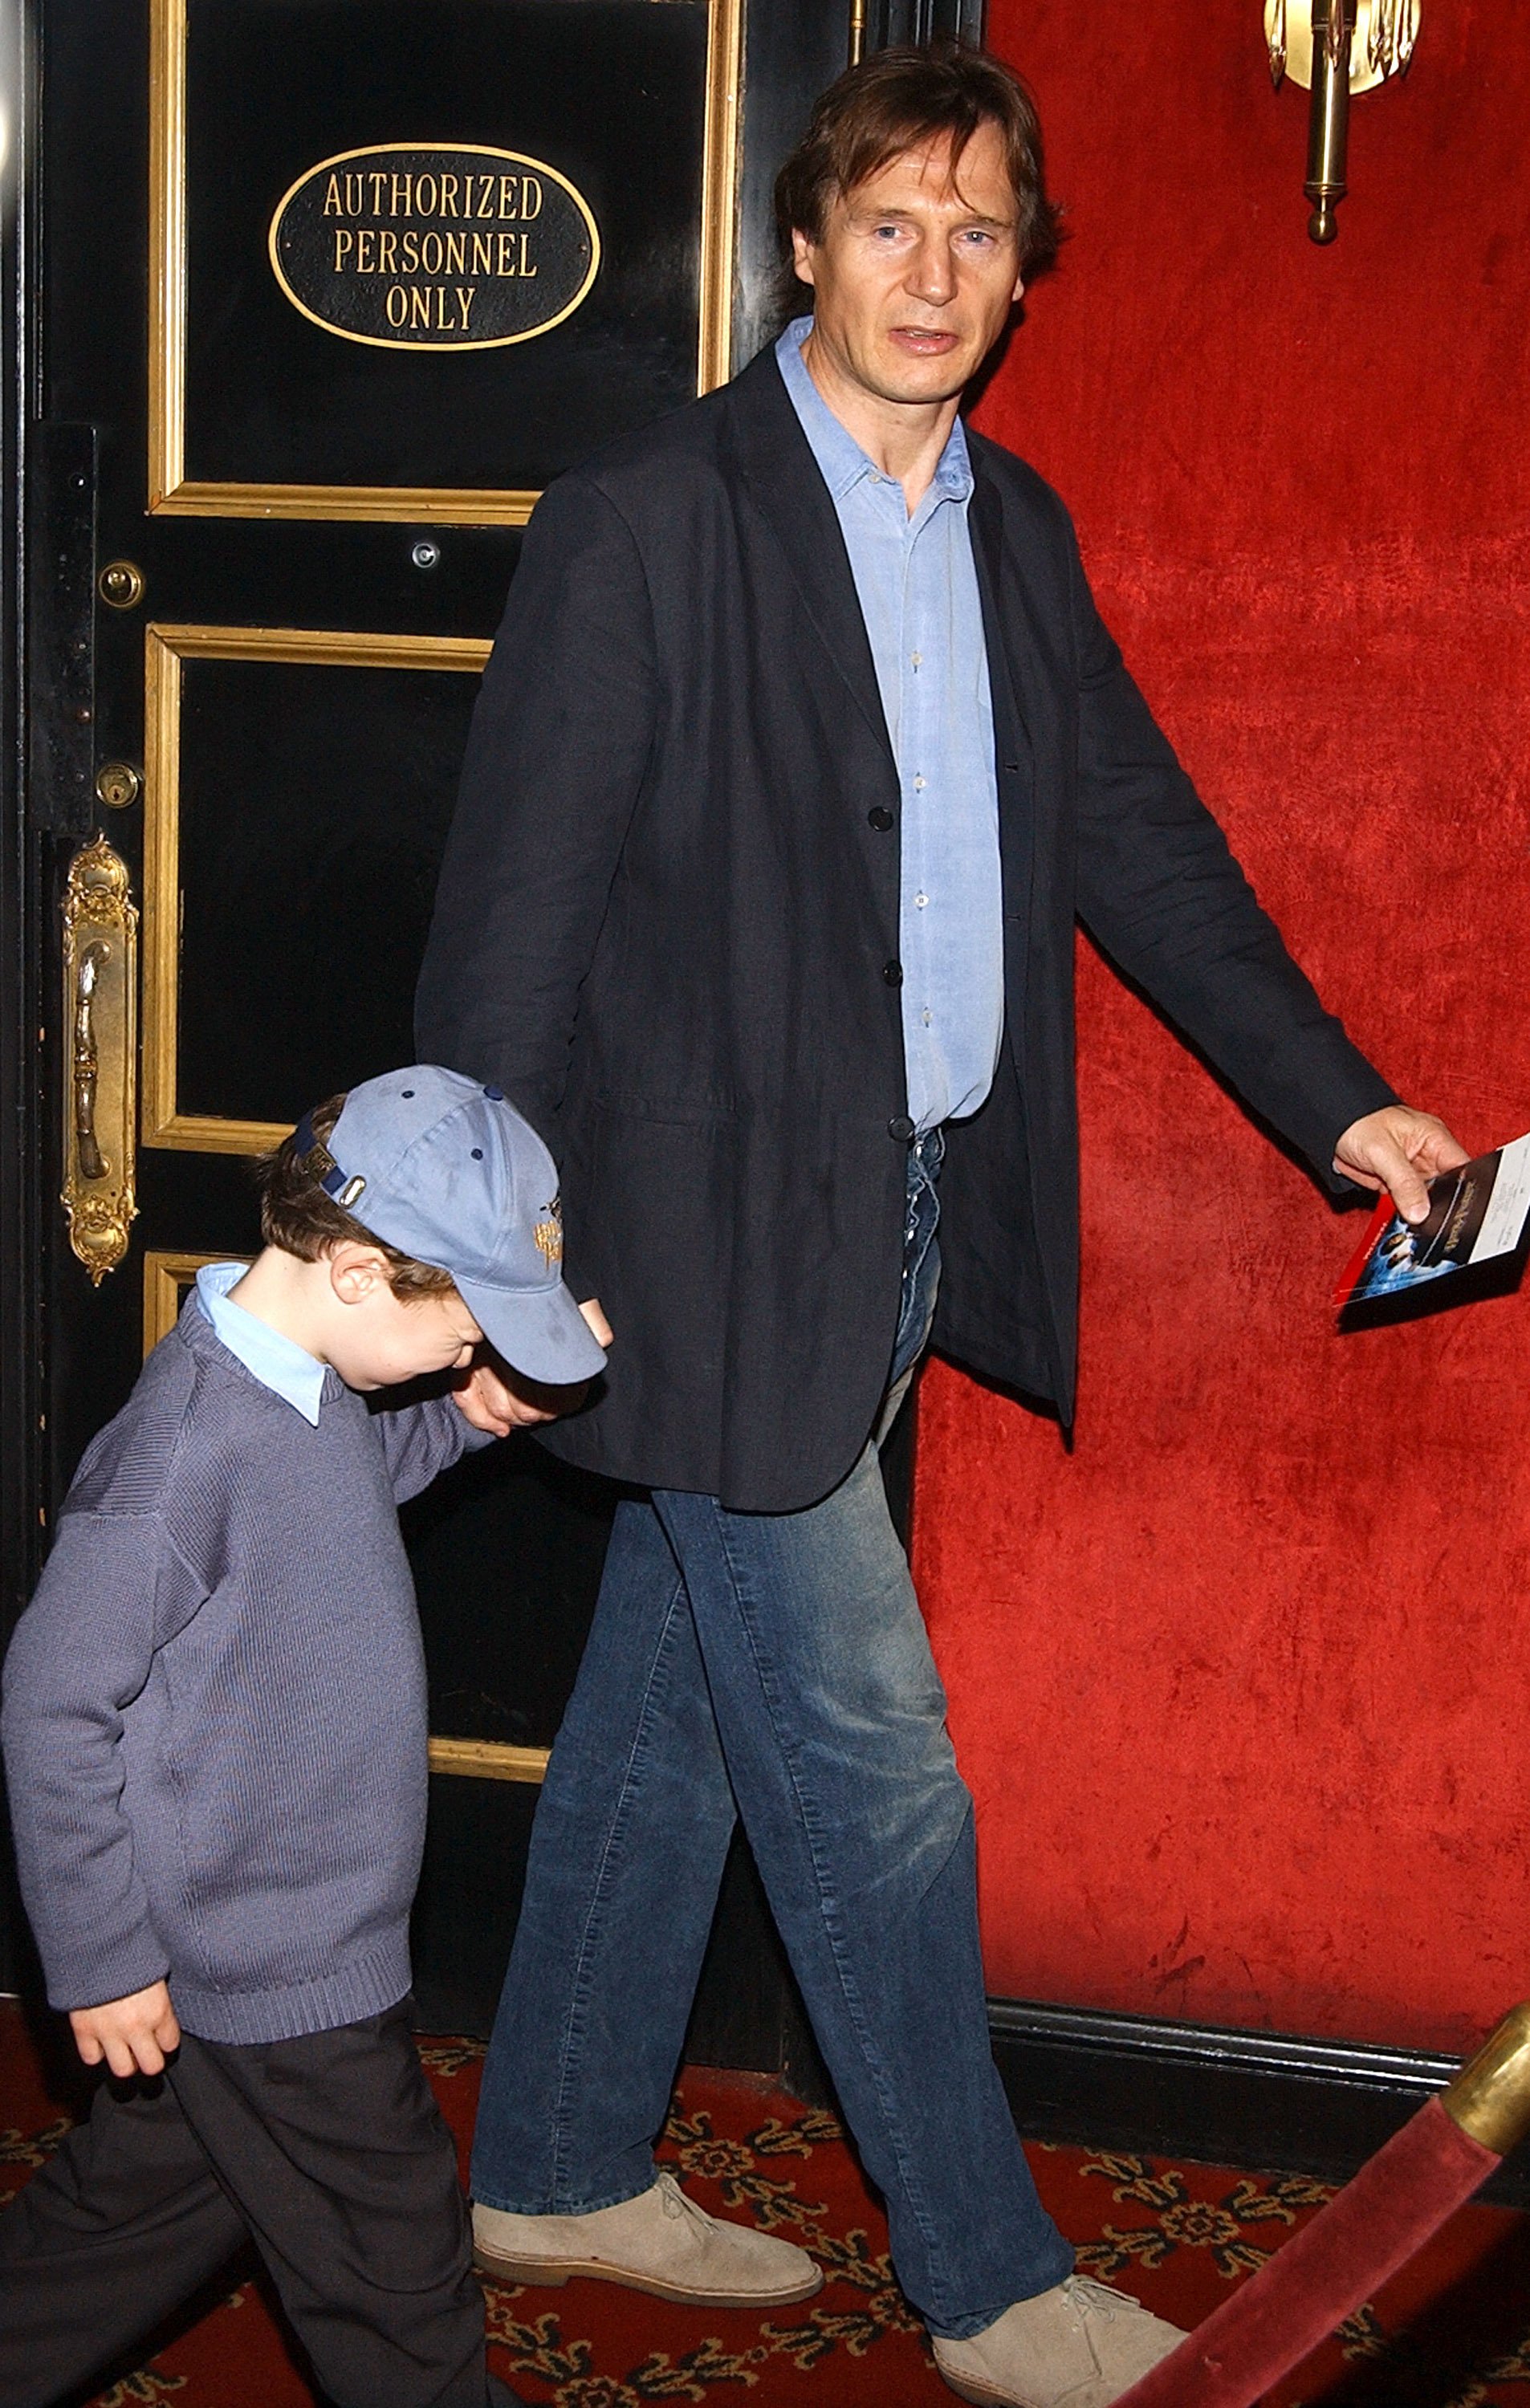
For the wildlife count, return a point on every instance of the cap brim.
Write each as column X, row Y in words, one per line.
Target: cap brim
column 546, row 1336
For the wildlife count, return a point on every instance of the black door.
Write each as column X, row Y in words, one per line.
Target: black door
column 314, row 296
column 325, row 292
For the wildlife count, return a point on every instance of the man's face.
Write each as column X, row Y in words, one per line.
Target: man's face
column 916, row 271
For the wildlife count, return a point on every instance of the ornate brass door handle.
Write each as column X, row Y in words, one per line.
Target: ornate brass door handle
column 87, row 1062
column 100, row 1005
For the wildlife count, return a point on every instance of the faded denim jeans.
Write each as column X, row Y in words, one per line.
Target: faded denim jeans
column 773, row 1665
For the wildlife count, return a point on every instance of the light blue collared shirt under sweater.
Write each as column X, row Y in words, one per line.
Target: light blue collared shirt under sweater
column 278, row 1363
column 917, row 590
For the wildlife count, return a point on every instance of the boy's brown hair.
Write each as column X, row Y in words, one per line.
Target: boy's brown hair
column 298, row 1216
column 898, row 99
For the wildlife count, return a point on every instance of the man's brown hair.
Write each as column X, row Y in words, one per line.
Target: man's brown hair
column 897, row 100
column 300, row 1218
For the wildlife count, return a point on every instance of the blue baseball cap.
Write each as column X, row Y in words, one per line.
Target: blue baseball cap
column 449, row 1172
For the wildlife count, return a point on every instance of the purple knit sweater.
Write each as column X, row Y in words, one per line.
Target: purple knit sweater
column 214, row 1722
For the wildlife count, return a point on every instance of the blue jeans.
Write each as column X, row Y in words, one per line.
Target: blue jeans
column 774, row 1665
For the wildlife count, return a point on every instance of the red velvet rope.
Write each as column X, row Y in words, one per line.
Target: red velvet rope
column 1329, row 2268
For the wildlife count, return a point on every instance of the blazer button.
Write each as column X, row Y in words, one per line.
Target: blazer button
column 893, row 973
column 881, row 818
column 901, row 1128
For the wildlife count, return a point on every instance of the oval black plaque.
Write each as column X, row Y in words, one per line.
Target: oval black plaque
column 434, row 246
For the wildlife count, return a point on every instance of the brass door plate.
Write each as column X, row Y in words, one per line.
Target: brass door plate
column 101, row 1037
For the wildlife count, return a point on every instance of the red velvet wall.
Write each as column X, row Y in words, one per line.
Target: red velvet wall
column 1242, row 1684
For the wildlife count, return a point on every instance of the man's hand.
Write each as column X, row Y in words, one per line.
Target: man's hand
column 600, row 1328
column 1401, row 1150
column 497, row 1398
column 135, row 2034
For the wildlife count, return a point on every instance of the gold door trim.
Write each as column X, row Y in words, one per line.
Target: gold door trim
column 172, row 494
column 166, row 1279
column 164, row 648
column 488, row 1759
column 418, row 505
column 720, row 173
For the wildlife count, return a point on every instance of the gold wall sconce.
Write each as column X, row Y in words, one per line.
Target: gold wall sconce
column 1334, row 49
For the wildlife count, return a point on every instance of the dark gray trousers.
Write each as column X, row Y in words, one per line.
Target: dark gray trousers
column 328, row 2152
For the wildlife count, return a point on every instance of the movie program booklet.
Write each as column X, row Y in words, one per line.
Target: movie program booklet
column 1474, row 1213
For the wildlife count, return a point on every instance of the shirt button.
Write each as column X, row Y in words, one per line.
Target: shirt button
column 881, row 818
column 925, row 1015
column 918, row 659
column 919, row 785
column 920, row 901
column 901, row 1128
column 893, row 973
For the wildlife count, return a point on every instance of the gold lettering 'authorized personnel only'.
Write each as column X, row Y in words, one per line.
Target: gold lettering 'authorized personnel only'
column 435, row 247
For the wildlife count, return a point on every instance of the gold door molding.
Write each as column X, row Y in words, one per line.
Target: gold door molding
column 166, row 1279
column 164, row 648
column 488, row 1759
column 173, row 494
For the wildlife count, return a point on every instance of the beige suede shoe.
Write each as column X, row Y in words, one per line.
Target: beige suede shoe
column 661, row 2241
column 1077, row 2346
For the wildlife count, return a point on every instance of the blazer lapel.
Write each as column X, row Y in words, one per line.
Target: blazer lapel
column 784, row 484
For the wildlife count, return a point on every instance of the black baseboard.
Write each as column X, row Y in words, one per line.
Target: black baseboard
column 1247, row 2099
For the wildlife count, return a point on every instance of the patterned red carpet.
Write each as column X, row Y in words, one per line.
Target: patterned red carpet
column 1452, row 2331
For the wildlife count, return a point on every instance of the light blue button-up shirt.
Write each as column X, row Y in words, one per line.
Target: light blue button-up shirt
column 917, row 591
column 278, row 1362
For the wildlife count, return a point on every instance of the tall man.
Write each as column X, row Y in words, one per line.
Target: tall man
column 800, row 748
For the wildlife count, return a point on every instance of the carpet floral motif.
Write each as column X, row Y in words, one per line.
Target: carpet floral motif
column 538, row 2347
column 1186, row 2221
column 445, row 2057
column 32, row 2149
column 142, row 2390
column 1410, row 2375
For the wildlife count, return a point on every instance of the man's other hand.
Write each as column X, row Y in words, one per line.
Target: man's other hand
column 1401, row 1150
column 497, row 1398
column 135, row 2034
column 600, row 1328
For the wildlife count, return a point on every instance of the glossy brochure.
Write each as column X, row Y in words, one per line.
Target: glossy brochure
column 1475, row 1213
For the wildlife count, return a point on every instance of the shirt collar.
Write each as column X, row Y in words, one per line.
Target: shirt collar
column 278, row 1363
column 840, row 459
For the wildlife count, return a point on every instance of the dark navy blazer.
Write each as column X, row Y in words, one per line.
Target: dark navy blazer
column 667, row 923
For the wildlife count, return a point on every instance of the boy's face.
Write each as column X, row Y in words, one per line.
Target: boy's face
column 381, row 1340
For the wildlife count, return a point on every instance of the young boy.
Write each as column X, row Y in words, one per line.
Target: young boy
column 214, row 1733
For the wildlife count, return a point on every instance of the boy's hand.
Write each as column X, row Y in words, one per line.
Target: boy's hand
column 135, row 2034
column 497, row 1399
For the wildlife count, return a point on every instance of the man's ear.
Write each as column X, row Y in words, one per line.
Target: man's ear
column 356, row 1270
column 802, row 255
